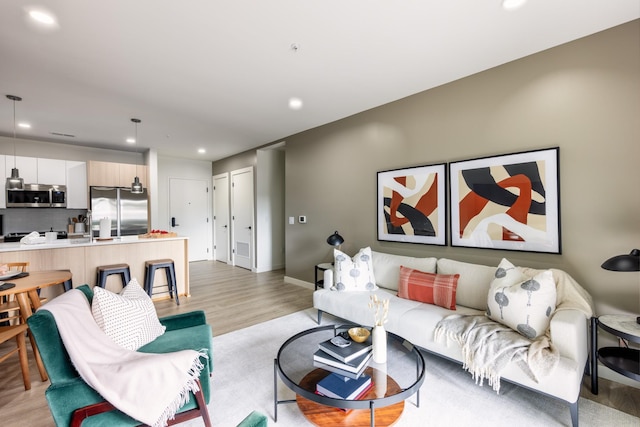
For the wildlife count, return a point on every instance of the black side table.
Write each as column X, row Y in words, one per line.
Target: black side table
column 319, row 283
column 625, row 361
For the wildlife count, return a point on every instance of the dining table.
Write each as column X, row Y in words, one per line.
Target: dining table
column 26, row 293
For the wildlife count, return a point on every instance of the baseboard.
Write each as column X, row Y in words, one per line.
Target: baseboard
column 299, row 282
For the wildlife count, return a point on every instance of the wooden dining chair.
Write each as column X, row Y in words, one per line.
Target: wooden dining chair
column 17, row 332
column 9, row 309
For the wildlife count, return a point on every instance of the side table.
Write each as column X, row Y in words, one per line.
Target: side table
column 623, row 360
column 319, row 283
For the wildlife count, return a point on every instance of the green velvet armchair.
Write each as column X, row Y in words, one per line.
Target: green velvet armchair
column 73, row 403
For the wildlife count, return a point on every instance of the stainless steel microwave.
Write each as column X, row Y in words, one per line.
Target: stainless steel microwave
column 38, row 196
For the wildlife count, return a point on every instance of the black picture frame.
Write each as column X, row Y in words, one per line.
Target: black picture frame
column 509, row 202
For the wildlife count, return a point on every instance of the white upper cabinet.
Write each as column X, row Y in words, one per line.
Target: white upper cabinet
column 27, row 167
column 3, row 175
column 77, row 190
column 51, row 172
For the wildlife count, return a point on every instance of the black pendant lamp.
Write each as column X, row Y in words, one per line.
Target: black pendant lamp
column 14, row 182
column 136, row 185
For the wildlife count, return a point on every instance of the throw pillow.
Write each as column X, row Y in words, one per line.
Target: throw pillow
column 128, row 318
column 353, row 274
column 430, row 288
column 521, row 303
column 386, row 267
column 473, row 284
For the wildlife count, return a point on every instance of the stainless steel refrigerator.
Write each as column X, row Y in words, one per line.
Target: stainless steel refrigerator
column 127, row 211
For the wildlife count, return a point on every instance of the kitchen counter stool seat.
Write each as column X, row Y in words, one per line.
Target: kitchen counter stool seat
column 105, row 271
column 170, row 270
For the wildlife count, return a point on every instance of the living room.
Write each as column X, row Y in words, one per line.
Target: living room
column 581, row 96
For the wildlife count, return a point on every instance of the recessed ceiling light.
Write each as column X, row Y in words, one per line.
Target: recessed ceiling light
column 512, row 4
column 131, row 140
column 201, row 150
column 42, row 17
column 295, row 103
column 24, row 125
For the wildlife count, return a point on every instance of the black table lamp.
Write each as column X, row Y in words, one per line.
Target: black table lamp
column 629, row 262
column 335, row 240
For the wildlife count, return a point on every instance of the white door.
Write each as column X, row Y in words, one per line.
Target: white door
column 221, row 217
column 189, row 214
column 242, row 217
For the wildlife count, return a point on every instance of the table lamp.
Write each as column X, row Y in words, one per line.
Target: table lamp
column 335, row 240
column 629, row 262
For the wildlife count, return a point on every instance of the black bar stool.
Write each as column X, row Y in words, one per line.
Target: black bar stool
column 150, row 268
column 106, row 270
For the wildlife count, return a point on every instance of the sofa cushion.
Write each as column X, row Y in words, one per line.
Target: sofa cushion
column 386, row 267
column 524, row 304
column 430, row 288
column 354, row 274
column 128, row 318
column 473, row 283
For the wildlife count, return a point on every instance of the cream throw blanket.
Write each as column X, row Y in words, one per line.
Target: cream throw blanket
column 488, row 346
column 148, row 387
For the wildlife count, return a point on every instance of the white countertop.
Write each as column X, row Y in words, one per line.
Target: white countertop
column 79, row 242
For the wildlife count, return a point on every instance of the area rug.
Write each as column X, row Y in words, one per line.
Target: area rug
column 243, row 381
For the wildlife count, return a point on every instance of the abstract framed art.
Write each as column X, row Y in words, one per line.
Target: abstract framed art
column 411, row 205
column 507, row 202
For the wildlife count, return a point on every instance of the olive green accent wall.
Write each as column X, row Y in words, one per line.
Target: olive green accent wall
column 583, row 97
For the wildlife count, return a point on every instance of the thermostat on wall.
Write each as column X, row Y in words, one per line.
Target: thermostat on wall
column 302, row 219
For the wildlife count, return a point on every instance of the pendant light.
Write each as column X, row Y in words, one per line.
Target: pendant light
column 14, row 182
column 136, row 185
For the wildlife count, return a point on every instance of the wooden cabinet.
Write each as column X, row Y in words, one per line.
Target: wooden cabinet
column 109, row 174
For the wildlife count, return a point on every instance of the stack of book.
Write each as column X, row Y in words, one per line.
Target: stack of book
column 347, row 361
column 340, row 387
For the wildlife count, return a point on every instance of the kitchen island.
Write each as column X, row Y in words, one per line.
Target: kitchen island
column 82, row 257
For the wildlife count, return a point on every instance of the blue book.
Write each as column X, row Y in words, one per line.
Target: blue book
column 340, row 387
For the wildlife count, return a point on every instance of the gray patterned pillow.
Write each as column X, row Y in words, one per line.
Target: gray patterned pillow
column 128, row 318
column 525, row 304
column 353, row 274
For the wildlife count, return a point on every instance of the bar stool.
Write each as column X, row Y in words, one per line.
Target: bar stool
column 106, row 270
column 150, row 268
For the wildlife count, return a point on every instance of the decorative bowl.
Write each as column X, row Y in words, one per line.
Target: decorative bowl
column 359, row 334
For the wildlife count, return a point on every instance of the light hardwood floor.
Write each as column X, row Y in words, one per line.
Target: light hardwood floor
column 233, row 298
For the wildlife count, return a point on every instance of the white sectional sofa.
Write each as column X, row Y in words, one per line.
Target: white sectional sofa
column 416, row 321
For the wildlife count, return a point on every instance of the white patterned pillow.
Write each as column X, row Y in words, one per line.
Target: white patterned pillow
column 128, row 318
column 524, row 304
column 353, row 274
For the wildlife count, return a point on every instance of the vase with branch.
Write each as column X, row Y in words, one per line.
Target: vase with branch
column 379, row 334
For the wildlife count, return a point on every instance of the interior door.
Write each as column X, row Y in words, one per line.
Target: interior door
column 221, row 228
column 242, row 217
column 189, row 214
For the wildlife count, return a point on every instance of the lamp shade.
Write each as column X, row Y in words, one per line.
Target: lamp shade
column 335, row 239
column 136, row 186
column 629, row 262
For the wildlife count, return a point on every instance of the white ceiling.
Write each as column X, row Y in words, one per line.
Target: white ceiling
column 218, row 74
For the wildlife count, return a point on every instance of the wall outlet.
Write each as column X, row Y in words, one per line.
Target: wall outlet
column 302, row 219
column 292, row 220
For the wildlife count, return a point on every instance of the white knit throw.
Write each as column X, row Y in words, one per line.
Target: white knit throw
column 488, row 346
column 148, row 387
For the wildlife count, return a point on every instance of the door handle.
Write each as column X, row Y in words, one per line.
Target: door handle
column 249, row 227
column 224, row 226
column 173, row 222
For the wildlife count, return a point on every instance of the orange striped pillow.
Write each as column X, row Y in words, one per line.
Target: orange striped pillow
column 430, row 288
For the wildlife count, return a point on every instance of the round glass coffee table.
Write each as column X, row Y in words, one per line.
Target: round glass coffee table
column 393, row 382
